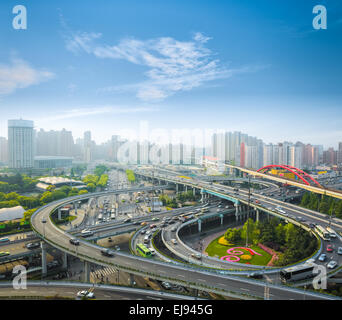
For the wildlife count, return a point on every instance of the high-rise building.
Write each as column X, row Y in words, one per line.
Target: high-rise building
column 54, row 143
column 339, row 158
column 330, row 157
column 296, row 156
column 87, row 146
column 3, row 150
column 242, row 155
column 20, row 144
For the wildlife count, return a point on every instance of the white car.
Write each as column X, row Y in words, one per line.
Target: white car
column 174, row 241
column 85, row 293
column 332, row 264
column 153, row 252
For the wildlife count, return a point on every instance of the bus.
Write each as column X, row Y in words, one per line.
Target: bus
column 296, row 273
column 322, row 232
column 143, row 251
column 332, row 233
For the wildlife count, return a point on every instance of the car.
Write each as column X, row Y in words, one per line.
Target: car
column 322, row 257
column 143, row 223
column 330, row 248
column 143, row 231
column 74, row 241
column 86, row 233
column 85, row 294
column 155, row 219
column 332, row 264
column 32, row 245
column 153, row 252
column 152, row 226
column 255, row 275
column 127, row 220
column 166, row 285
column 4, row 253
column 117, row 248
column 110, row 239
column 257, row 201
column 174, row 241
column 196, row 255
column 339, row 250
column 107, row 252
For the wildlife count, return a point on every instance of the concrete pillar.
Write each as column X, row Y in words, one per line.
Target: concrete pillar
column 202, row 196
column 221, row 216
column 237, row 211
column 199, row 225
column 194, row 191
column 75, row 206
column 59, row 214
column 177, row 188
column 257, row 215
column 186, row 188
column 65, row 260
column 86, row 271
column 44, row 266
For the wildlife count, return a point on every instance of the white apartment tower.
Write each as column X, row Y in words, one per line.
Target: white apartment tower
column 20, row 144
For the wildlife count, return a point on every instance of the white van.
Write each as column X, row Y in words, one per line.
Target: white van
column 153, row 252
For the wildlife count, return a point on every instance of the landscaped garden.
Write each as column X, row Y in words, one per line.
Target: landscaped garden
column 222, row 249
column 270, row 243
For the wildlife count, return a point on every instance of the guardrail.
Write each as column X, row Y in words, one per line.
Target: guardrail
column 103, row 287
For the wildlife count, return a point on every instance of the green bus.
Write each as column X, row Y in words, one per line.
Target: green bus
column 145, row 252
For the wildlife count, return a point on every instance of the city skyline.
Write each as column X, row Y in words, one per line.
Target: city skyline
column 190, row 71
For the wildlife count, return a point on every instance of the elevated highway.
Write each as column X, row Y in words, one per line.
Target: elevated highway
column 213, row 281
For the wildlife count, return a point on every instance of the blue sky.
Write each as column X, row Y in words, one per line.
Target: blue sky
column 253, row 66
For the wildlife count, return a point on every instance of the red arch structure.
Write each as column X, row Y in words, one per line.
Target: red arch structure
column 297, row 172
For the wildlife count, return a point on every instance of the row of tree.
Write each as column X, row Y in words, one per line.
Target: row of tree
column 322, row 203
column 13, row 199
column 18, row 182
column 292, row 242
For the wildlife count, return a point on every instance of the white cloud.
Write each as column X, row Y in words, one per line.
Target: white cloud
column 20, row 74
column 84, row 112
column 173, row 65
